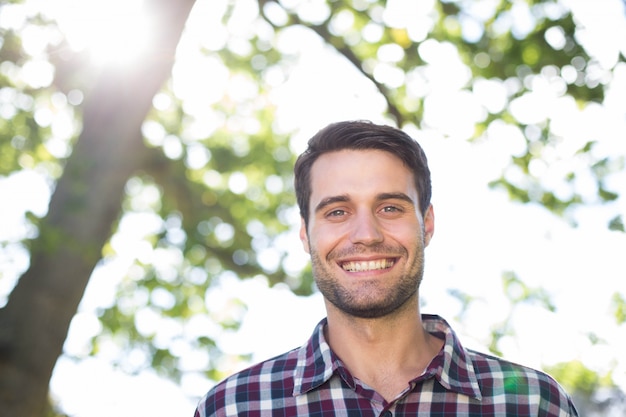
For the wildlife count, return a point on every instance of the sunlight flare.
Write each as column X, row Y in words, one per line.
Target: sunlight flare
column 115, row 33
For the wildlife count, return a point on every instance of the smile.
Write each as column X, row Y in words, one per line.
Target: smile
column 378, row 264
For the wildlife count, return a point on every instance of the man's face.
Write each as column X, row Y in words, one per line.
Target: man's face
column 366, row 236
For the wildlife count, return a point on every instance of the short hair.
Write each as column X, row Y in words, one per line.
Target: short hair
column 362, row 135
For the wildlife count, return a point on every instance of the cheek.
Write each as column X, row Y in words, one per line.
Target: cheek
column 323, row 239
column 408, row 236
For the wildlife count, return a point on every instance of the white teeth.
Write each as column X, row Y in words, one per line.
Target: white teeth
column 367, row 265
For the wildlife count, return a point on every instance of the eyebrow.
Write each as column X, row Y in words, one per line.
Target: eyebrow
column 395, row 196
column 331, row 200
column 344, row 198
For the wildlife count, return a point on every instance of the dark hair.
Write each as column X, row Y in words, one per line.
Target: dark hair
column 361, row 135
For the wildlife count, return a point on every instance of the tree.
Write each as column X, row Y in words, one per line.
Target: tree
column 35, row 321
column 221, row 171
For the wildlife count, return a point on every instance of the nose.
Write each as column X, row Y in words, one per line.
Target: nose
column 366, row 229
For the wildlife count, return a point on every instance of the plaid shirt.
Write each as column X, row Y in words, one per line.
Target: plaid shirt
column 312, row 381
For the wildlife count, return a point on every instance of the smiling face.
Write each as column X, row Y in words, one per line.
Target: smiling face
column 365, row 235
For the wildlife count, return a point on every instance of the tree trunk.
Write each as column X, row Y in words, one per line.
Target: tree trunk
column 82, row 212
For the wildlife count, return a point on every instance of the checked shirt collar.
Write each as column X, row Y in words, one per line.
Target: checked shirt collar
column 452, row 367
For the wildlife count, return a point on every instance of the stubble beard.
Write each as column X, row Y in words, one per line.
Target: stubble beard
column 368, row 302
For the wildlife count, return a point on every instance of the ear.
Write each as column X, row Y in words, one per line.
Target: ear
column 429, row 225
column 304, row 238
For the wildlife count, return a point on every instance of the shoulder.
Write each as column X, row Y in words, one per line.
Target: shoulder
column 501, row 379
column 489, row 367
column 267, row 379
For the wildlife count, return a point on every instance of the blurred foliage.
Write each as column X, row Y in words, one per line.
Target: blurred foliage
column 217, row 181
column 595, row 395
column 576, row 377
column 517, row 293
column 619, row 308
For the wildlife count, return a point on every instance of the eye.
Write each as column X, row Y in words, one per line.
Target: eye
column 391, row 209
column 336, row 213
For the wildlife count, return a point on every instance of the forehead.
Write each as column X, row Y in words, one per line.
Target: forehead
column 359, row 171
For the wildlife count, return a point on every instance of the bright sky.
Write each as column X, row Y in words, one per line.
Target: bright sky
column 479, row 232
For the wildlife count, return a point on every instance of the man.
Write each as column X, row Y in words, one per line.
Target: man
column 364, row 196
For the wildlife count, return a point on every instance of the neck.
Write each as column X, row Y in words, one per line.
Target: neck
column 385, row 353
